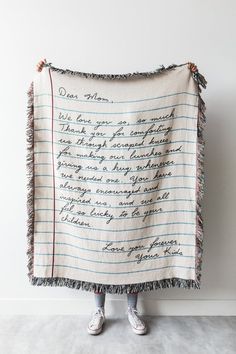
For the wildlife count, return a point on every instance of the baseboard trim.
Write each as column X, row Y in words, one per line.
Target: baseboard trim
column 150, row 307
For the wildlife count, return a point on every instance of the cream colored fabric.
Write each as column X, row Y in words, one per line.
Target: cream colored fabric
column 115, row 177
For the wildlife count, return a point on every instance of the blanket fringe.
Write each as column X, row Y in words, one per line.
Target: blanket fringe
column 30, row 178
column 200, row 182
column 117, row 289
column 132, row 75
column 125, row 288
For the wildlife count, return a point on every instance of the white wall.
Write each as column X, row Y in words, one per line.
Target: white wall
column 113, row 37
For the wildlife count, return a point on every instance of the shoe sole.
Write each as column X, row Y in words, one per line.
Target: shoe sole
column 136, row 331
column 97, row 331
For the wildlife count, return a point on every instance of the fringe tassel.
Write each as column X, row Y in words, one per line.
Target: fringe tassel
column 201, row 122
column 30, row 179
column 114, row 76
column 125, row 288
column 117, row 289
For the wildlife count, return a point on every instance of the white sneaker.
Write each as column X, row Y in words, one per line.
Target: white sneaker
column 96, row 323
column 138, row 325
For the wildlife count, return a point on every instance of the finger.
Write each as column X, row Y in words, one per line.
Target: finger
column 39, row 67
column 193, row 67
column 41, row 62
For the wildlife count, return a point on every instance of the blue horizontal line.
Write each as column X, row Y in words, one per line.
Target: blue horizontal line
column 125, row 218
column 113, row 183
column 110, row 113
column 124, row 230
column 116, row 125
column 130, row 101
column 122, row 148
column 113, row 241
column 93, row 271
column 100, row 251
column 121, row 262
column 134, row 159
column 148, row 169
column 115, row 195
column 118, row 207
column 107, row 137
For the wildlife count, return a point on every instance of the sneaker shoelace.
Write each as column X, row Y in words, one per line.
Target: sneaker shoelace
column 96, row 316
column 134, row 313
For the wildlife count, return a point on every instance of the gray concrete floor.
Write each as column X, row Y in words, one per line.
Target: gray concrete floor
column 166, row 335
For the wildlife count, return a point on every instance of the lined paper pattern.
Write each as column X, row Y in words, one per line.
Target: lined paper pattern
column 115, row 177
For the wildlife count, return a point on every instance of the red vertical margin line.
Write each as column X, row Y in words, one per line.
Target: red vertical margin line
column 53, row 172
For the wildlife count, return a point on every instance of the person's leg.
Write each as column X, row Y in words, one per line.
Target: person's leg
column 99, row 298
column 95, row 325
column 132, row 299
column 138, row 325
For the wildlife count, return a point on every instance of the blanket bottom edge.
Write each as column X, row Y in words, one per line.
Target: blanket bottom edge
column 118, row 288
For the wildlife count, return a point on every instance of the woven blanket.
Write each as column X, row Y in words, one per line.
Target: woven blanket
column 115, row 166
